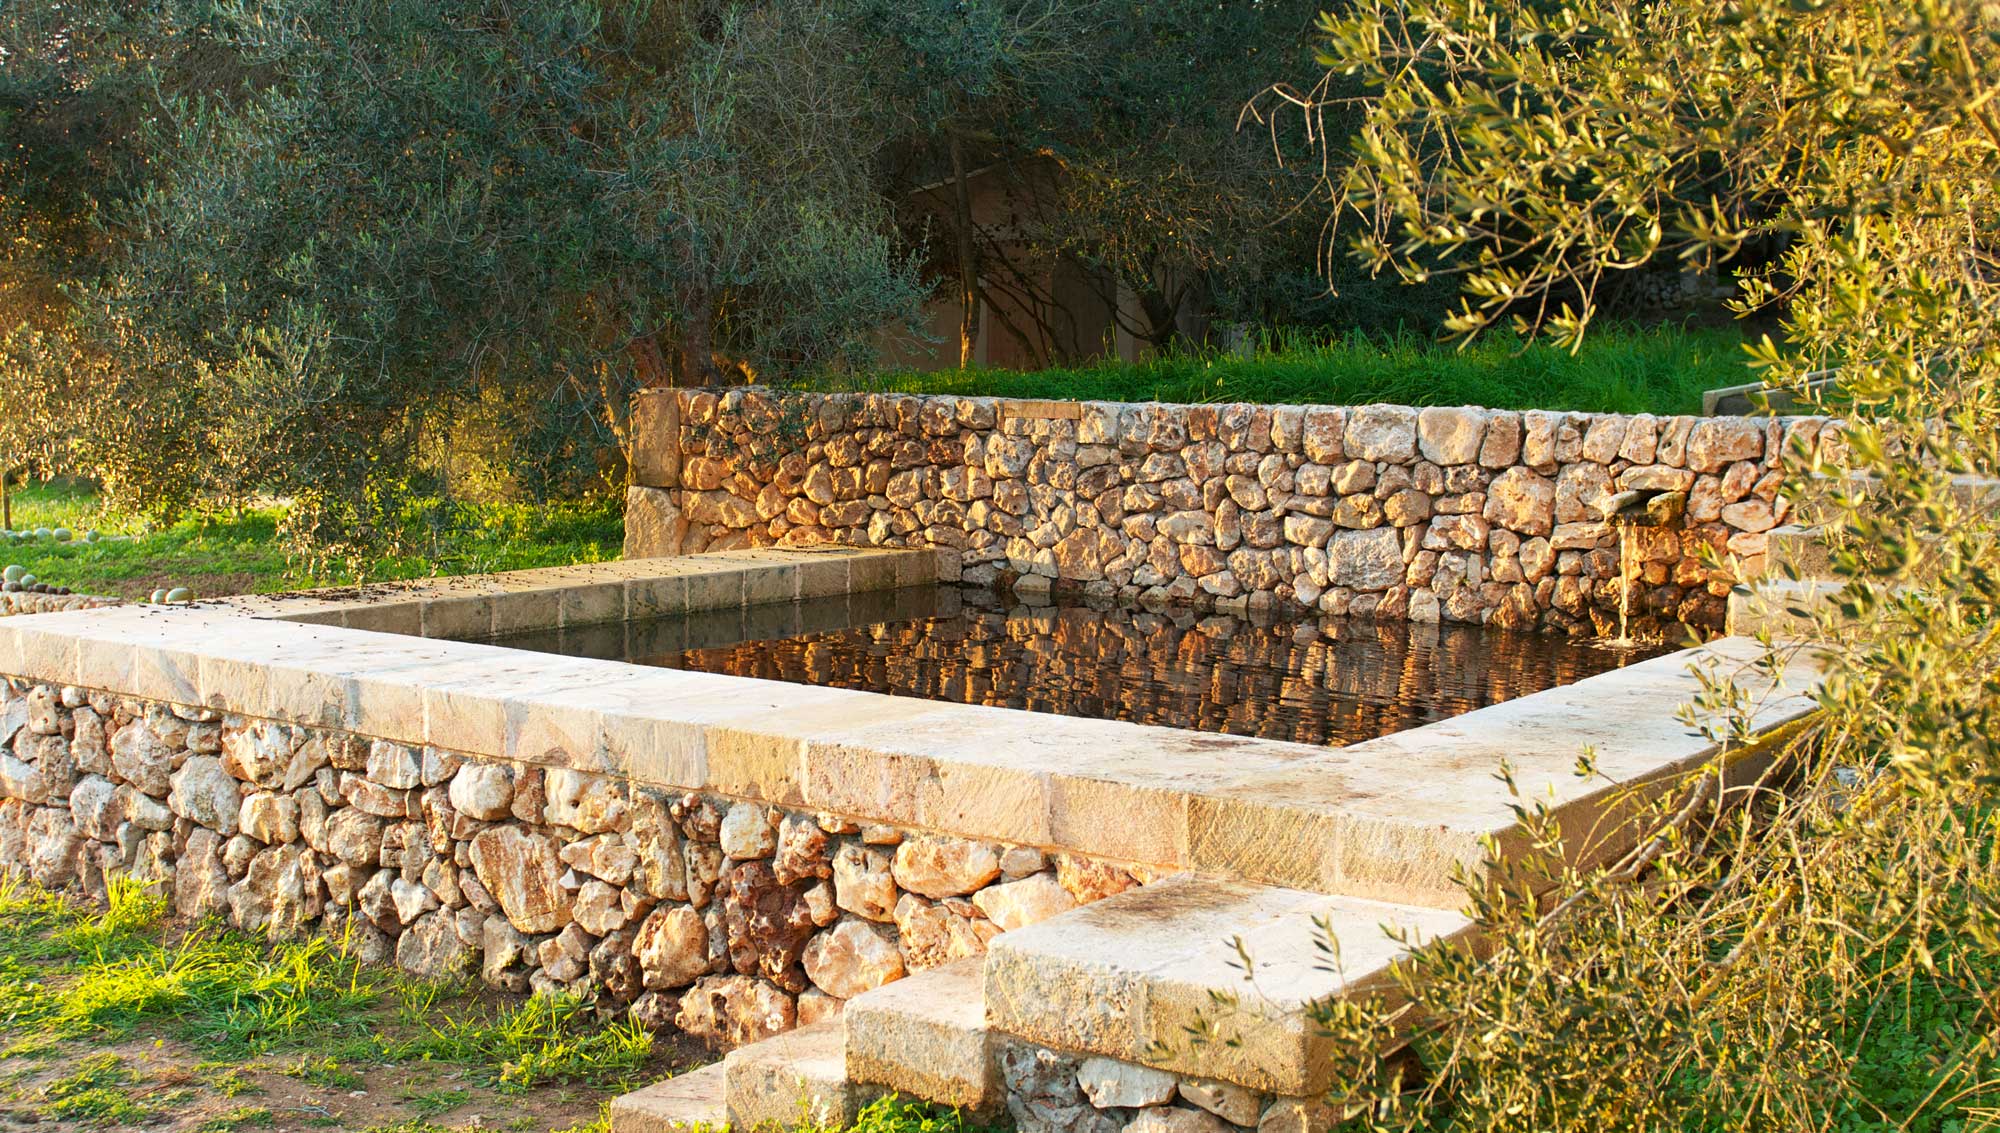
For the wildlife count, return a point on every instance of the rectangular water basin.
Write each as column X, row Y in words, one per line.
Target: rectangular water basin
column 1323, row 681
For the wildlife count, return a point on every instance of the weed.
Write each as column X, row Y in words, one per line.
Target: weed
column 430, row 1103
column 98, row 1092
column 599, row 1124
column 245, row 1117
column 324, row 1071
column 538, row 1040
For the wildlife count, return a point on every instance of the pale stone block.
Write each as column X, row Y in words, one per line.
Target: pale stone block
column 656, row 443
column 925, row 1036
column 797, row 1078
column 1129, row 976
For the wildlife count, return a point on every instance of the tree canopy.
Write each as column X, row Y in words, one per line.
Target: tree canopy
column 1826, row 953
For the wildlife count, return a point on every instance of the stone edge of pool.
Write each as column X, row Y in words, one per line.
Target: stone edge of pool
column 1389, row 818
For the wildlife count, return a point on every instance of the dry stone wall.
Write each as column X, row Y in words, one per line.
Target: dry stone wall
column 21, row 602
column 1455, row 514
column 732, row 920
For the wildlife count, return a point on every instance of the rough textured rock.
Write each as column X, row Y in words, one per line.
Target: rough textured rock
column 1173, row 1119
column 1235, row 1104
column 852, row 957
column 484, row 791
column 206, row 795
column 735, row 1010
column 1043, row 1095
column 522, row 872
column 1111, row 1084
column 863, row 883
column 672, row 947
column 768, row 923
column 939, row 866
column 1016, row 904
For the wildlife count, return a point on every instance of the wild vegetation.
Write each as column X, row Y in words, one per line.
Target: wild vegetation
column 1824, row 952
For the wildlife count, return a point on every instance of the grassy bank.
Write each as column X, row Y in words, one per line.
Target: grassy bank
column 1660, row 370
column 123, row 1019
column 239, row 553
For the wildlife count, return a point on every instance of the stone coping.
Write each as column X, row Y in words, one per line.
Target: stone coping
column 490, row 605
column 1388, row 818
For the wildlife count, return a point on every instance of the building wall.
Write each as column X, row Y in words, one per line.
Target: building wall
column 1456, row 514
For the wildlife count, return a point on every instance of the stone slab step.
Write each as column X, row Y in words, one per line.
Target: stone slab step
column 1803, row 548
column 1769, row 604
column 1138, row 976
column 925, row 1036
column 795, row 1079
column 693, row 1102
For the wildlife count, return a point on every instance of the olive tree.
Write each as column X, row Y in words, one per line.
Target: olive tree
column 1825, row 953
column 341, row 228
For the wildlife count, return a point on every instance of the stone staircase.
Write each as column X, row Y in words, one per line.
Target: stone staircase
column 1149, row 990
column 1770, row 603
column 1186, row 1005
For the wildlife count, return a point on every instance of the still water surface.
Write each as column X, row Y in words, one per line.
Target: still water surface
column 1323, row 681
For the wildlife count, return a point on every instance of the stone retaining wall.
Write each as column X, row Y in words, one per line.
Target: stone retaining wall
column 1457, row 514
column 17, row 602
column 731, row 919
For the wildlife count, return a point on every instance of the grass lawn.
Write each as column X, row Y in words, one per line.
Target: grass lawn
column 122, row 1019
column 240, row 553
column 1618, row 370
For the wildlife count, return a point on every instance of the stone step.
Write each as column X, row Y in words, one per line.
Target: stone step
column 1769, row 605
column 925, row 1036
column 1137, row 976
column 795, row 1079
column 1801, row 547
column 694, row 1102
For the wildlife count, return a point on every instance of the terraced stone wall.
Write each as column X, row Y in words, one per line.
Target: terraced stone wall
column 733, row 920
column 17, row 602
column 1454, row 514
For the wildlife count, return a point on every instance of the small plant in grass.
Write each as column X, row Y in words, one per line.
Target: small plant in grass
column 543, row 1039
column 325, row 1071
column 442, row 1099
column 101, row 1091
column 244, row 1117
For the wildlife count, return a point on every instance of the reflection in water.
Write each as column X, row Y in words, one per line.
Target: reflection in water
column 1322, row 682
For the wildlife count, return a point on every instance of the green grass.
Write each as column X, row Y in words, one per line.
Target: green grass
column 240, row 553
column 67, row 973
column 1617, row 370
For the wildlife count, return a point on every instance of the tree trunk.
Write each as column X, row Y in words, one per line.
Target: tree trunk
column 6, row 501
column 698, row 341
column 968, row 273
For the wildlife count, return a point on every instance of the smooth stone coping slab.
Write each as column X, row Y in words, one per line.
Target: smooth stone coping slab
column 794, row 1080
column 1139, row 975
column 925, row 1036
column 486, row 605
column 694, row 1102
column 1388, row 818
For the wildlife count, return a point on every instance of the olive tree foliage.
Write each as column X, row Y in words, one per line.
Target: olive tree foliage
column 1823, row 951
column 358, row 223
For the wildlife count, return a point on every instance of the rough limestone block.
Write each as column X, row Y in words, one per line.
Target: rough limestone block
column 1131, row 977
column 654, row 524
column 925, row 1036
column 694, row 1102
column 797, row 1078
column 656, row 439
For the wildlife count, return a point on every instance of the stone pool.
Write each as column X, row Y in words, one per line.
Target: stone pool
column 1317, row 681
